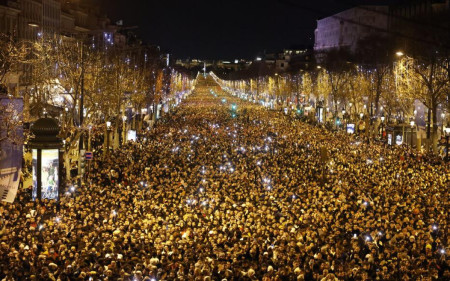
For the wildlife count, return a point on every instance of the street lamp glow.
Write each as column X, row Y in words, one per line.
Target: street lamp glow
column 108, row 124
column 412, row 123
column 33, row 24
column 399, row 53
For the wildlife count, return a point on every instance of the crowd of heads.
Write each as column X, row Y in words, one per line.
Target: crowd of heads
column 211, row 195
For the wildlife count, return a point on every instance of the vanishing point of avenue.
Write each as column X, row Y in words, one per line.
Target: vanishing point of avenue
column 229, row 140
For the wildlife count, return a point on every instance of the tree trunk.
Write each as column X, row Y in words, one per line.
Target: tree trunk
column 377, row 99
column 105, row 142
column 429, row 123
column 435, row 128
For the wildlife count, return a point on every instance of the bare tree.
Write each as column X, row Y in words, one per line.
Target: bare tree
column 12, row 54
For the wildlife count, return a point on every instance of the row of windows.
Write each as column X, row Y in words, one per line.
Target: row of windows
column 52, row 11
column 29, row 9
column 8, row 25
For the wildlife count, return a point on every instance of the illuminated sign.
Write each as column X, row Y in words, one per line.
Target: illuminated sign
column 49, row 173
column 351, row 128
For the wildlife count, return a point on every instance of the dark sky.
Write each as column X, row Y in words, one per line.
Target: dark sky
column 223, row 29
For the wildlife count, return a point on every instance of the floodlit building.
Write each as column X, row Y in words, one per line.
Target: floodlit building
column 404, row 19
column 343, row 30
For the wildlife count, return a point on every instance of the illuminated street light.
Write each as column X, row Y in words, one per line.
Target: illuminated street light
column 108, row 132
column 399, row 53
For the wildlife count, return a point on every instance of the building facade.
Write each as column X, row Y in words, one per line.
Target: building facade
column 344, row 30
column 31, row 20
column 422, row 24
column 408, row 21
column 289, row 59
column 9, row 17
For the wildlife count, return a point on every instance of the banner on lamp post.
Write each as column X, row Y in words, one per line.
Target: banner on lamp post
column 11, row 147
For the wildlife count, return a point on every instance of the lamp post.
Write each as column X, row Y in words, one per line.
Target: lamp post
column 89, row 137
column 447, row 136
column 382, row 126
column 108, row 132
column 350, row 110
column 361, row 116
column 47, row 153
column 343, row 119
column 412, row 128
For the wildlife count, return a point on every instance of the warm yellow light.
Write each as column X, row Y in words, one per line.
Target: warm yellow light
column 399, row 53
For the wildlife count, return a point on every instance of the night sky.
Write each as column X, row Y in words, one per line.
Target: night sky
column 224, row 29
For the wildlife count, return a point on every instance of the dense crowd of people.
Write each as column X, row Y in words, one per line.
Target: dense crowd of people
column 208, row 194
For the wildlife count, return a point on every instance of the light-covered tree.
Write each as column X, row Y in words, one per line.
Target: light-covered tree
column 425, row 79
